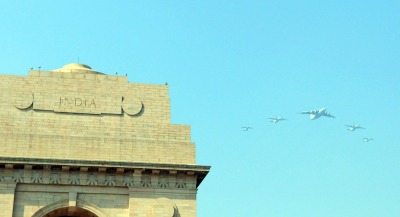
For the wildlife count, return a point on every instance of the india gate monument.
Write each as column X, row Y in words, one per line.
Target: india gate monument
column 79, row 143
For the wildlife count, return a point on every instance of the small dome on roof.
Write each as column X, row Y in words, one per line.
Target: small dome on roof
column 77, row 68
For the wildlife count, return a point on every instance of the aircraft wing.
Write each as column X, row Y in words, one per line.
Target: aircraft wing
column 329, row 115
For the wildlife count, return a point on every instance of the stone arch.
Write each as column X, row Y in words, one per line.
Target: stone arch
column 64, row 204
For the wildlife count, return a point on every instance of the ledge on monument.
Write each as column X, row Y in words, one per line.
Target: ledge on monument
column 199, row 171
column 92, row 163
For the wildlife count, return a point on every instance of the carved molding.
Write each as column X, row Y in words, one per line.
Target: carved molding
column 17, row 176
column 163, row 180
column 92, row 179
column 37, row 177
column 127, row 173
column 128, row 180
column 57, row 175
column 146, row 180
column 110, row 180
column 180, row 180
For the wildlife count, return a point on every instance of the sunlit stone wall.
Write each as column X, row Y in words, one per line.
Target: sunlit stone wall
column 76, row 115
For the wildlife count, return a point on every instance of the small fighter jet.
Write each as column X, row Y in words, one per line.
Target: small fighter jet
column 353, row 127
column 277, row 119
column 367, row 139
column 315, row 114
column 246, row 128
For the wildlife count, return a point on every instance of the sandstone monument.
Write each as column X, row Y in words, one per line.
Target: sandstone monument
column 77, row 142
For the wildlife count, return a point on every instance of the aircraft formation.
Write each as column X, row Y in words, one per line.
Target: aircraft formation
column 313, row 115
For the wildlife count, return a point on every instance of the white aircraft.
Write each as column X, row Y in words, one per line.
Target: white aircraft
column 315, row 114
column 277, row 119
column 367, row 139
column 353, row 127
column 246, row 128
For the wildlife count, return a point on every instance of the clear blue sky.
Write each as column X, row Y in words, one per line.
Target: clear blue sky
column 237, row 63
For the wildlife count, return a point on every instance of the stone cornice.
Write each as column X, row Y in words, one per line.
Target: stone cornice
column 140, row 173
column 115, row 164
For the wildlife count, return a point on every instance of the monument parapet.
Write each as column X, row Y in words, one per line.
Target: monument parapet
column 77, row 113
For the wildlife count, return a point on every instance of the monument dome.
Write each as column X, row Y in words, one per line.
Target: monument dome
column 77, row 68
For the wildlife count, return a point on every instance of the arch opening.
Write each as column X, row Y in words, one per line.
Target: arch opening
column 70, row 212
column 62, row 209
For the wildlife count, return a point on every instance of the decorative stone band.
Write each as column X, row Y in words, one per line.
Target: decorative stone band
column 101, row 173
column 89, row 103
